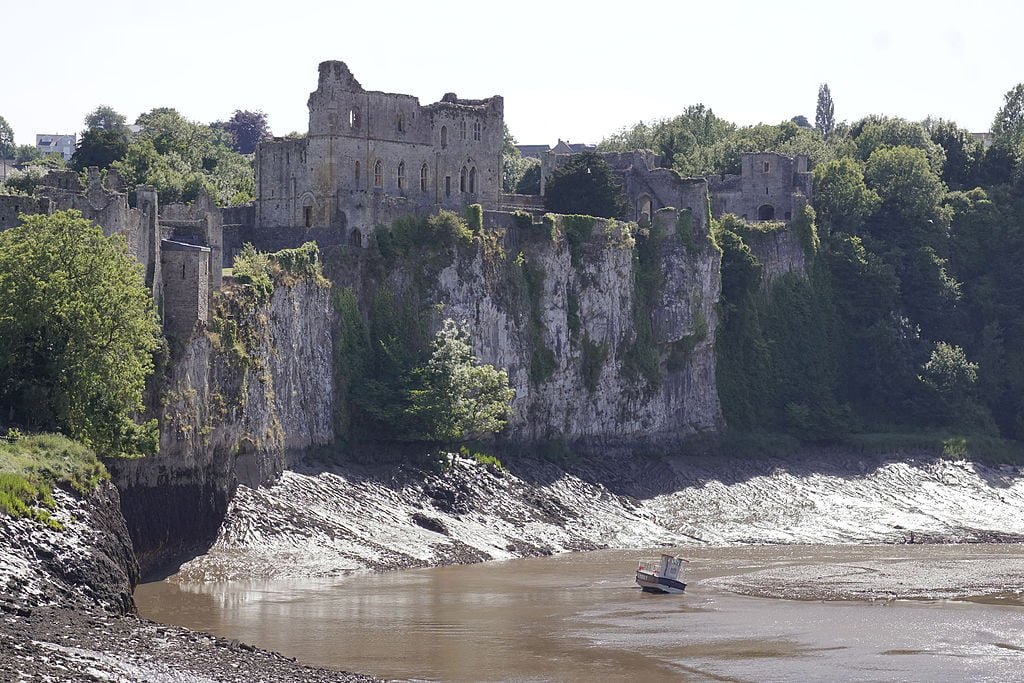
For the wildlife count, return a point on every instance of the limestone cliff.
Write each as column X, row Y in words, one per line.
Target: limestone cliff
column 254, row 384
column 606, row 330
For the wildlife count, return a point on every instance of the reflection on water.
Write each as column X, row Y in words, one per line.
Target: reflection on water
column 580, row 618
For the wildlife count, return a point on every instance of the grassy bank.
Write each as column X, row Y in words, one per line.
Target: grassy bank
column 30, row 466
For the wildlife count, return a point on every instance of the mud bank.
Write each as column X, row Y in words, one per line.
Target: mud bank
column 319, row 521
column 67, row 613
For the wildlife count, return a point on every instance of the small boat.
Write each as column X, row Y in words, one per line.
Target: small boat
column 661, row 576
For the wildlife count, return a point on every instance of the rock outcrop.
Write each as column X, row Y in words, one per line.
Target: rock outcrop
column 614, row 345
column 242, row 392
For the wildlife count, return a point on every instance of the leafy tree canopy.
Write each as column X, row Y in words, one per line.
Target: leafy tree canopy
column 824, row 114
column 841, row 198
column 454, row 396
column 874, row 132
column 105, row 117
column 247, row 130
column 6, row 139
column 77, row 333
column 585, row 185
column 181, row 158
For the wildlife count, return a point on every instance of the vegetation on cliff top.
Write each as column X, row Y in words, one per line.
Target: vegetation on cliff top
column 30, row 466
column 77, row 334
column 911, row 314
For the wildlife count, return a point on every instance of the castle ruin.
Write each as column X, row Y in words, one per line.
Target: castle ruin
column 370, row 157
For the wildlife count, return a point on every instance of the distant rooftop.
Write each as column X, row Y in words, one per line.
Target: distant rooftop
column 563, row 147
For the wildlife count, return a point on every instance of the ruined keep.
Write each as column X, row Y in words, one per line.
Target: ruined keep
column 370, row 157
column 647, row 187
column 770, row 187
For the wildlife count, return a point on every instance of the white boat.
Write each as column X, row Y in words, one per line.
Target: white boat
column 661, row 576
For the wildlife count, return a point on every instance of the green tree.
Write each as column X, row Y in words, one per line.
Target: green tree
column 874, row 132
column 513, row 165
column 247, row 129
column 105, row 117
column 77, row 333
column 6, row 139
column 455, row 397
column 824, row 114
column 908, row 187
column 182, row 158
column 26, row 153
column 1008, row 126
column 104, row 140
column 841, row 198
column 585, row 185
column 529, row 183
column 963, row 153
column 688, row 142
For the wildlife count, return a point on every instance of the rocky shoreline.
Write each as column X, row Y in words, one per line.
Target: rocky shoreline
column 68, row 612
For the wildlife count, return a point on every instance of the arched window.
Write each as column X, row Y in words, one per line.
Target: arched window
column 462, row 129
column 401, row 175
column 353, row 118
column 766, row 212
column 423, row 177
column 378, row 174
column 472, row 180
column 477, row 128
column 462, row 179
column 357, row 178
column 307, row 216
column 357, row 238
column 400, row 122
column 444, row 136
column 644, row 212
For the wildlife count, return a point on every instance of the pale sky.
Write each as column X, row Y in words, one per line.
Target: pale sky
column 576, row 71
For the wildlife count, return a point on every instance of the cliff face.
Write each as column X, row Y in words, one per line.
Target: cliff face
column 612, row 341
column 88, row 564
column 254, row 384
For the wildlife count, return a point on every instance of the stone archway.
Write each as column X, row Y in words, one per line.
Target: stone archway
column 356, row 238
column 643, row 210
column 766, row 212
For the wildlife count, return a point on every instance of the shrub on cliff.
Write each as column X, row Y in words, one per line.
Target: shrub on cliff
column 585, row 185
column 77, row 333
column 454, row 396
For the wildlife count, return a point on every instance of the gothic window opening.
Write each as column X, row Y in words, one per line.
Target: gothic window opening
column 353, row 118
column 401, row 123
column 378, row 174
column 423, row 177
column 444, row 136
column 462, row 129
column 477, row 130
column 462, row 179
column 766, row 166
column 766, row 212
column 401, row 175
column 307, row 216
column 447, row 186
column 472, row 180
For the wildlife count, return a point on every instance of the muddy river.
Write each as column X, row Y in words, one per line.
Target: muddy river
column 812, row 613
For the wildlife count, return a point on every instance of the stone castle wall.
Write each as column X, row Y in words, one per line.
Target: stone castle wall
column 770, row 187
column 371, row 156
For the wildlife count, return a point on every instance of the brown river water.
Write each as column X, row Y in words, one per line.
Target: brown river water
column 764, row 613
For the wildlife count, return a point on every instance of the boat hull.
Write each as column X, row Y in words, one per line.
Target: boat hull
column 652, row 583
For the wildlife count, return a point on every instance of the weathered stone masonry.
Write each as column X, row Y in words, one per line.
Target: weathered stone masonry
column 370, row 157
